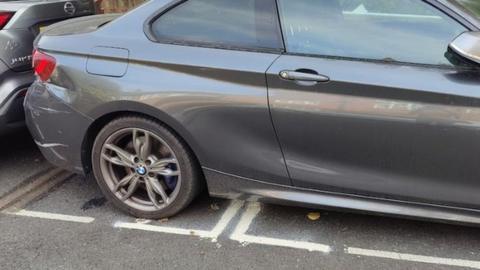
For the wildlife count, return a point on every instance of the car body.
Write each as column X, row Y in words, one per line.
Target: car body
column 264, row 123
column 22, row 23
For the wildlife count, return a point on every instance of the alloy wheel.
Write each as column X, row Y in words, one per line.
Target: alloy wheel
column 140, row 169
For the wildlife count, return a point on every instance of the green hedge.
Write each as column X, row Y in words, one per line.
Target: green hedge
column 404, row 6
column 474, row 5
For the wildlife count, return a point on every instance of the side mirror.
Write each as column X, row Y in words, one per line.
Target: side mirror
column 467, row 45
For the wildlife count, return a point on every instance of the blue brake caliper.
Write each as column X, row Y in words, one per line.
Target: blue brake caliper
column 171, row 181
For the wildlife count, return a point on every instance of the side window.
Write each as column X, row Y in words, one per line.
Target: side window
column 409, row 31
column 249, row 24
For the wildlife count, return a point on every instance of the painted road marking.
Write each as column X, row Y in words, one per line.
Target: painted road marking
column 162, row 229
column 412, row 257
column 227, row 216
column 33, row 188
column 239, row 234
column 45, row 215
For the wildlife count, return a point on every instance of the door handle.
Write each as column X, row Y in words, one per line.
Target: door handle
column 305, row 75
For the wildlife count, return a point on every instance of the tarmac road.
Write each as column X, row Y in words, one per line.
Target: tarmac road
column 19, row 159
column 74, row 227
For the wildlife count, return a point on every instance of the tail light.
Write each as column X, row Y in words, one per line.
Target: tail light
column 43, row 65
column 5, row 18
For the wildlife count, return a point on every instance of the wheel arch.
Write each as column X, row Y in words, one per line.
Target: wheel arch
column 110, row 111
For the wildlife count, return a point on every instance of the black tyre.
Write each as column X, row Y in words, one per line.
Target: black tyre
column 144, row 168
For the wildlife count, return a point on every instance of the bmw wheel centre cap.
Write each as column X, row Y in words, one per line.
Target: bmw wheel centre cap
column 141, row 170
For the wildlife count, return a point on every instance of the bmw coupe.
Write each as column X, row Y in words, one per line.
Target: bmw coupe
column 348, row 104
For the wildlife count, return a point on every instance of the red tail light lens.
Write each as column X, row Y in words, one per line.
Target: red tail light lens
column 4, row 18
column 43, row 64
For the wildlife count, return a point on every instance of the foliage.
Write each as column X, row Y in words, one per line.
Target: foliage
column 473, row 5
column 387, row 6
column 403, row 6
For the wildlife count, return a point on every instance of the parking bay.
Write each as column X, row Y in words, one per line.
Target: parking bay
column 74, row 227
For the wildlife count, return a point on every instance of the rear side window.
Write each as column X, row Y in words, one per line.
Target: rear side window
column 409, row 31
column 248, row 24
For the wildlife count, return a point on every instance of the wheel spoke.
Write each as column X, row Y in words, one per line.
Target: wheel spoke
column 132, row 188
column 124, row 182
column 137, row 143
column 151, row 194
column 166, row 172
column 161, row 164
column 158, row 188
column 146, row 146
column 115, row 160
column 124, row 156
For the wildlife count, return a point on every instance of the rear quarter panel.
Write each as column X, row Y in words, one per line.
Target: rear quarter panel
column 215, row 99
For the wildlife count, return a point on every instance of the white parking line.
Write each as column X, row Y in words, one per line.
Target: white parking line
column 45, row 215
column 239, row 234
column 253, row 208
column 162, row 229
column 412, row 257
column 227, row 216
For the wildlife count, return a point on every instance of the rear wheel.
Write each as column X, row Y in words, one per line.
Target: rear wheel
column 144, row 168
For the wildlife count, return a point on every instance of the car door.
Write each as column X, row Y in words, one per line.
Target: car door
column 368, row 101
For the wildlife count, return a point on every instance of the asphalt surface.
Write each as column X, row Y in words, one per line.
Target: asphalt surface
column 19, row 159
column 73, row 227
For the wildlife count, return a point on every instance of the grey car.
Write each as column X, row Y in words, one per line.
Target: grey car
column 20, row 23
column 359, row 105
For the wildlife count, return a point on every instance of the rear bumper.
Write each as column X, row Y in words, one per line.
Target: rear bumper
column 57, row 128
column 13, row 86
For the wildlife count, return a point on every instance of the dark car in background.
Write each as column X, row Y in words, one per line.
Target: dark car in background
column 354, row 104
column 20, row 23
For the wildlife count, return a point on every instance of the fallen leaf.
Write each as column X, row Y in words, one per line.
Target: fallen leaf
column 142, row 221
column 163, row 220
column 313, row 216
column 214, row 207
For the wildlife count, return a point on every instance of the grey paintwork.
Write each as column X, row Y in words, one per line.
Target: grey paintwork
column 404, row 132
column 394, row 138
column 16, row 43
